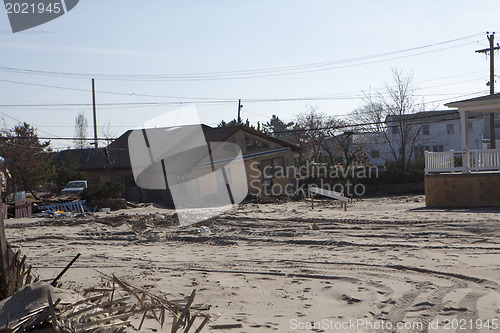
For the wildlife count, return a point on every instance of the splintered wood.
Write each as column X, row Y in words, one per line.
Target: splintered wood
column 114, row 306
column 117, row 302
column 19, row 273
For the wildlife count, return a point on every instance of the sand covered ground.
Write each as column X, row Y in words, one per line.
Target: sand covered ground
column 386, row 264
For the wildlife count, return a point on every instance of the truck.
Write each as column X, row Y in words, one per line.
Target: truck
column 74, row 187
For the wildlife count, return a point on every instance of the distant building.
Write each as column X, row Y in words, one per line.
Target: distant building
column 432, row 131
column 259, row 151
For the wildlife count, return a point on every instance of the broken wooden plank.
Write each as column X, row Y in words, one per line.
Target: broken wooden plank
column 95, row 306
column 85, row 300
column 54, row 282
column 190, row 323
column 52, row 311
column 225, row 326
column 123, row 316
column 162, row 317
column 175, row 312
column 116, row 309
column 96, row 290
column 204, row 322
column 142, row 320
column 129, row 290
column 184, row 312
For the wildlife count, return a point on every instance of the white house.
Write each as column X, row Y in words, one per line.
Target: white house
column 466, row 177
column 432, row 131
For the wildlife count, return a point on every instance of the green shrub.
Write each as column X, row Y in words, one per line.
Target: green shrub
column 108, row 190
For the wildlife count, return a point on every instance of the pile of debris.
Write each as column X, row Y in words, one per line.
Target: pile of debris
column 29, row 304
column 113, row 307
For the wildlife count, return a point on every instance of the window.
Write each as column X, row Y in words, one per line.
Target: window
column 375, row 154
column 469, row 127
column 273, row 168
column 437, row 148
column 419, row 152
column 254, row 145
column 425, row 129
column 427, row 148
column 394, row 130
column 450, row 129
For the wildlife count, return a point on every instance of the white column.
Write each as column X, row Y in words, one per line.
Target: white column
column 465, row 140
column 464, row 130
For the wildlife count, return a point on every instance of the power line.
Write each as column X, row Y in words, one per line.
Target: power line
column 336, row 127
column 333, row 127
column 254, row 73
column 111, row 92
column 139, row 104
column 18, row 121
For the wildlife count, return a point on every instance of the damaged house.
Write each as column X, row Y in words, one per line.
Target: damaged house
column 269, row 164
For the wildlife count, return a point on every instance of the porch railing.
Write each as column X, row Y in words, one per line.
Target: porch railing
column 458, row 161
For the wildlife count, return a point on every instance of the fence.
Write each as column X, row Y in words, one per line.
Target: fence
column 473, row 160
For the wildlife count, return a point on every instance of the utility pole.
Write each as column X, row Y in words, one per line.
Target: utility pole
column 4, row 257
column 95, row 116
column 239, row 112
column 491, row 51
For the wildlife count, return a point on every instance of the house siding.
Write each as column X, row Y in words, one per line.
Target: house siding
column 255, row 149
column 437, row 139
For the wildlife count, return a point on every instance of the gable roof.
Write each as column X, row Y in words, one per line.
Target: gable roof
column 117, row 153
column 82, row 154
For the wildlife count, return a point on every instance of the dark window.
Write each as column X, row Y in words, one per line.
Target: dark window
column 394, row 130
column 375, row 154
column 450, row 129
column 254, row 145
column 419, row 152
column 425, row 130
column 437, row 148
column 273, row 168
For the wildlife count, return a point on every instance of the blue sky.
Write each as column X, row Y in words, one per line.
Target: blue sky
column 163, row 43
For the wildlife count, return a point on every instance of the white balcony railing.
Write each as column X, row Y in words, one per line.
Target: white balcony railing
column 452, row 161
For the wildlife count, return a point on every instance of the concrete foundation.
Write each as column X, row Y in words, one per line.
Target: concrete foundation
column 463, row 190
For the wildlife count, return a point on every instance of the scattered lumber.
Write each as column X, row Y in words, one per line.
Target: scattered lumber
column 116, row 304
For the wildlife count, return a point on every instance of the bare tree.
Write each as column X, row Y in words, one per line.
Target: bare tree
column 316, row 131
column 348, row 148
column 109, row 135
column 106, row 132
column 81, row 125
column 392, row 113
column 370, row 116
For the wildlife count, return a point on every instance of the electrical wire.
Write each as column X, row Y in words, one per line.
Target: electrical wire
column 254, row 73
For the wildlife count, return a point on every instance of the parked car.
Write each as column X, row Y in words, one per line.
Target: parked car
column 74, row 187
